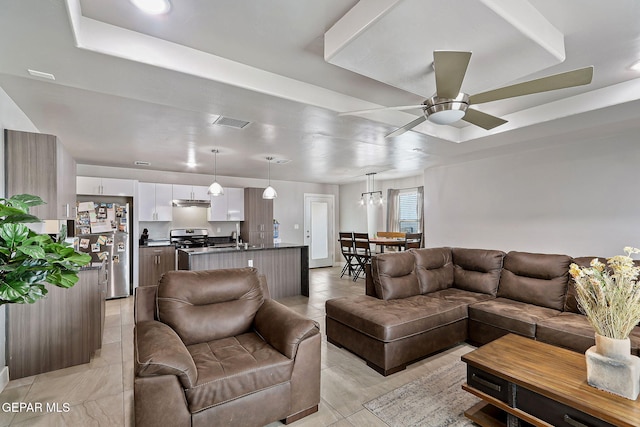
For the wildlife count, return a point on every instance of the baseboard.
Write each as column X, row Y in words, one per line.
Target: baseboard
column 4, row 378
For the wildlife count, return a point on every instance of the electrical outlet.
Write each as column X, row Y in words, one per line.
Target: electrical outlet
column 218, row 230
column 250, row 262
column 296, row 226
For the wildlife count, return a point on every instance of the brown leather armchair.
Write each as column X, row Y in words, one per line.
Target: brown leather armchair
column 211, row 348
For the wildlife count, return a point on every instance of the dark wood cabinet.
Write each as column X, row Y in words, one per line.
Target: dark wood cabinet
column 257, row 227
column 38, row 164
column 154, row 261
column 63, row 329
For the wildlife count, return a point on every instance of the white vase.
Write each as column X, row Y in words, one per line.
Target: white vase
column 614, row 348
column 611, row 367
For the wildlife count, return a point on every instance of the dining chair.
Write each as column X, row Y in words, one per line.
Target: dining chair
column 362, row 248
column 348, row 252
column 413, row 240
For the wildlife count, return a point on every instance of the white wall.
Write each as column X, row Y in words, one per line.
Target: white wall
column 11, row 117
column 577, row 198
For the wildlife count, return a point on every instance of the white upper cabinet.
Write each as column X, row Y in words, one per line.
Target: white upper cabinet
column 105, row 186
column 154, row 202
column 190, row 192
column 228, row 207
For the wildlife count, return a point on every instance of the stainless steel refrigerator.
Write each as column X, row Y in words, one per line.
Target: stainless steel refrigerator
column 102, row 232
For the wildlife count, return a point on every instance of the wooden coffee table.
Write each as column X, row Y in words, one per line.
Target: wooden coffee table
column 524, row 382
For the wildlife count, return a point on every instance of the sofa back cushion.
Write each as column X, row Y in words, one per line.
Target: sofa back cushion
column 394, row 276
column 203, row 306
column 539, row 279
column 434, row 268
column 477, row 270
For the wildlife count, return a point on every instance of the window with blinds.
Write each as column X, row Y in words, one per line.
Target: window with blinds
column 408, row 212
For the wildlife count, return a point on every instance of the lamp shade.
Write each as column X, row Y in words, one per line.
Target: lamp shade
column 269, row 193
column 216, row 189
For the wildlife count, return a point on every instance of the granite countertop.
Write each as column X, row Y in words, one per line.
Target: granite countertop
column 214, row 250
column 152, row 243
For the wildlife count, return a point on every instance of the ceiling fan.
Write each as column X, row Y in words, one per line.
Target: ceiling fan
column 449, row 105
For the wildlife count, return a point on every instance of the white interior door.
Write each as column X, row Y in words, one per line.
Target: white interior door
column 318, row 229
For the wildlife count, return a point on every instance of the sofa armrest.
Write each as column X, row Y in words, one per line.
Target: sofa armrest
column 283, row 328
column 145, row 303
column 160, row 351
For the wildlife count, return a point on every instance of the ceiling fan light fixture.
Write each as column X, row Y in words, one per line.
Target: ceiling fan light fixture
column 444, row 111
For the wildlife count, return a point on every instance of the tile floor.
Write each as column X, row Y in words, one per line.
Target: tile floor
column 100, row 393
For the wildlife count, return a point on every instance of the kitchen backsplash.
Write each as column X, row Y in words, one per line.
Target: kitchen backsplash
column 187, row 218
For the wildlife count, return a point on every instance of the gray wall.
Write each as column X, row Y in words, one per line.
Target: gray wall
column 577, row 197
column 11, row 117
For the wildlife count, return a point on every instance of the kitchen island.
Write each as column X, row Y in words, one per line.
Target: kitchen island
column 286, row 266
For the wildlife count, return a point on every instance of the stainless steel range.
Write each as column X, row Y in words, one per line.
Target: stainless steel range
column 189, row 237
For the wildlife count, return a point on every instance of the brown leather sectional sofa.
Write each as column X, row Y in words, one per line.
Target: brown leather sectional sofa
column 424, row 300
column 211, row 348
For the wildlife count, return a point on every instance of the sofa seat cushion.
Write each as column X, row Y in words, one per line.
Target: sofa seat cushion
column 513, row 316
column 573, row 331
column 460, row 296
column 391, row 320
column 568, row 330
column 230, row 368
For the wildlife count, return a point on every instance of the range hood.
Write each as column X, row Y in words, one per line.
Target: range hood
column 188, row 203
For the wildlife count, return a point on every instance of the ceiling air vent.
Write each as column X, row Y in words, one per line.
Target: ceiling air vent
column 232, row 123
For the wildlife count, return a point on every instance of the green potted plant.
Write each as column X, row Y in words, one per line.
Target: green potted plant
column 609, row 295
column 29, row 260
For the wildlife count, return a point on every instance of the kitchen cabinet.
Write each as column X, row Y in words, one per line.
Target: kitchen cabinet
column 190, row 192
column 227, row 207
column 64, row 329
column 105, row 186
column 257, row 227
column 154, row 261
column 154, row 201
column 38, row 164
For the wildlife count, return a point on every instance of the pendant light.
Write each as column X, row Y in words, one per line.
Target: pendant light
column 371, row 194
column 215, row 189
column 269, row 192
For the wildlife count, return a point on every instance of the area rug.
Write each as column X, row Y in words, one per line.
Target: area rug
column 434, row 400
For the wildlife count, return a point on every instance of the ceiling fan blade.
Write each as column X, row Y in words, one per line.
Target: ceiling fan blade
column 573, row 78
column 450, row 68
column 406, row 127
column 484, row 120
column 373, row 110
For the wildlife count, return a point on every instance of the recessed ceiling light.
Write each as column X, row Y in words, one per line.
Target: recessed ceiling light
column 635, row 66
column 153, row 7
column 41, row 74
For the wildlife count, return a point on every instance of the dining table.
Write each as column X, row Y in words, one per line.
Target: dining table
column 398, row 242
